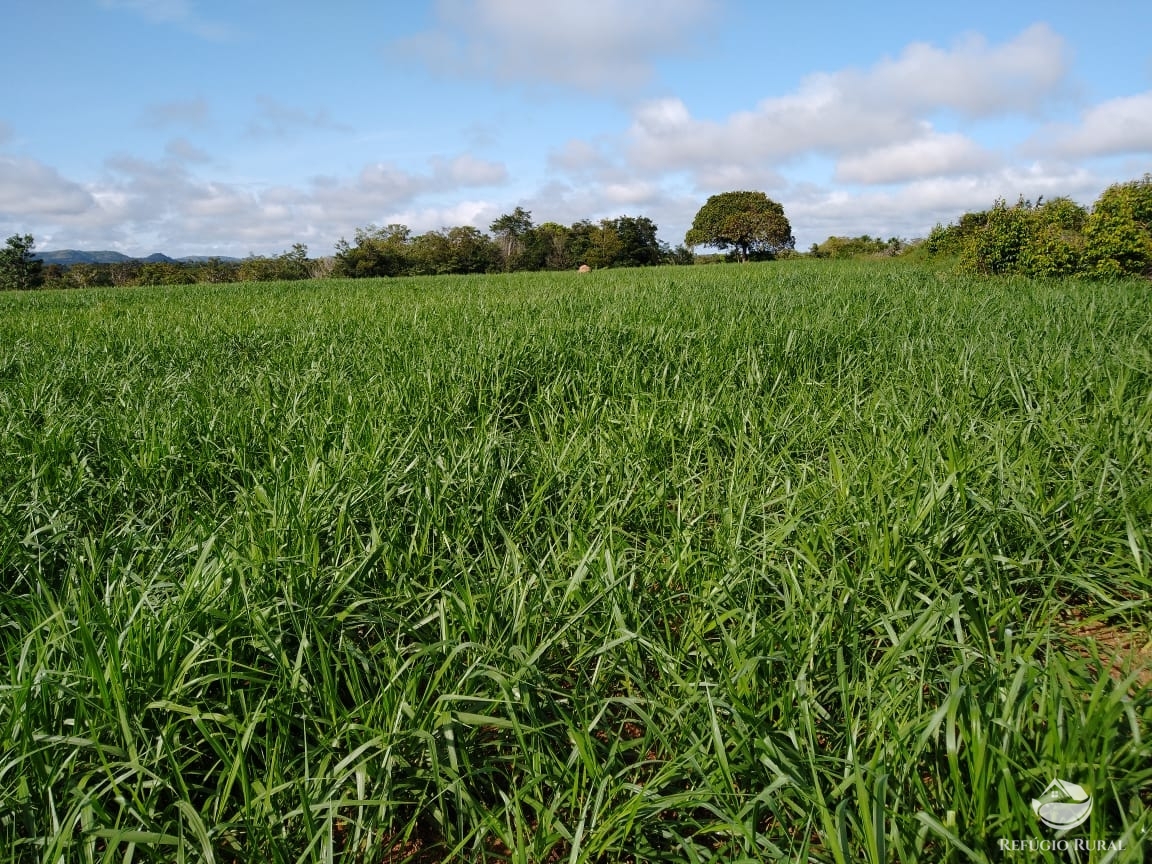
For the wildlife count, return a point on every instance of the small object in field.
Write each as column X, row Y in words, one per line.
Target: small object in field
column 584, row 268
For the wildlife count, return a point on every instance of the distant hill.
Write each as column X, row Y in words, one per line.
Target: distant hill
column 69, row 257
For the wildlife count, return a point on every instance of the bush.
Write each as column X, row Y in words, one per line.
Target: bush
column 1054, row 245
column 856, row 247
column 1056, row 237
column 951, row 240
column 1050, row 251
column 288, row 266
column 1118, row 234
column 996, row 246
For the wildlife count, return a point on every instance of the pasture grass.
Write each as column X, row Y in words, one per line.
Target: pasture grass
column 795, row 561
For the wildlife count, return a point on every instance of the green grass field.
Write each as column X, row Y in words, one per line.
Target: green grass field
column 793, row 561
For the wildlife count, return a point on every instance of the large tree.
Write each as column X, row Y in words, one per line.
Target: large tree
column 750, row 223
column 378, row 252
column 20, row 270
column 638, row 244
column 512, row 230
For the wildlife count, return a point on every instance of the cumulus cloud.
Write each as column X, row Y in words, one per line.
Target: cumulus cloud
column 592, row 45
column 560, row 201
column 973, row 77
column 664, row 136
column 31, row 190
column 874, row 127
column 933, row 155
column 476, row 213
column 163, row 204
column 467, row 170
column 1117, row 126
column 911, row 209
column 854, row 112
column 887, row 130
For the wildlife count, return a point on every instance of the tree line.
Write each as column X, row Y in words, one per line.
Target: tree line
column 1057, row 237
column 20, row 269
column 745, row 225
column 516, row 243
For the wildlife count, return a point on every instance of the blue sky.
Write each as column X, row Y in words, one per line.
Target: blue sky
column 211, row 127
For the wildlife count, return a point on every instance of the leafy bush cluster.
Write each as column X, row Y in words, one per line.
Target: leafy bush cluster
column 857, row 247
column 1056, row 237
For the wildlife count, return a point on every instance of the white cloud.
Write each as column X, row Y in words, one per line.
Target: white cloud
column 593, row 45
column 855, row 112
column 933, row 155
column 910, row 210
column 1117, row 126
column 563, row 202
column 31, row 191
column 629, row 194
column 141, row 205
column 382, row 188
column 974, row 77
column 479, row 214
column 905, row 132
column 467, row 170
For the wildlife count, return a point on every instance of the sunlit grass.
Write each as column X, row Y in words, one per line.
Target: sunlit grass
column 695, row 564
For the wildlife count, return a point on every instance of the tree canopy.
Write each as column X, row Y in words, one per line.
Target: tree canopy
column 19, row 268
column 750, row 223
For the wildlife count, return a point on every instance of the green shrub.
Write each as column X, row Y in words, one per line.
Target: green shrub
column 1050, row 251
column 995, row 248
column 856, row 247
column 1054, row 245
column 1118, row 234
column 1057, row 237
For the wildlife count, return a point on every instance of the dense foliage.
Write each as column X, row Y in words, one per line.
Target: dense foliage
column 803, row 562
column 749, row 223
column 516, row 244
column 20, row 270
column 842, row 248
column 290, row 265
column 1056, row 237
